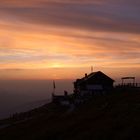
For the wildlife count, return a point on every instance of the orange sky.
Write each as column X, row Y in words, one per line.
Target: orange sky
column 45, row 39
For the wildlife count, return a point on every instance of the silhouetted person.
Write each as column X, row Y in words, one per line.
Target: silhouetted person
column 65, row 93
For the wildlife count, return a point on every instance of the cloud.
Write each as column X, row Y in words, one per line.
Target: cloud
column 121, row 16
column 39, row 34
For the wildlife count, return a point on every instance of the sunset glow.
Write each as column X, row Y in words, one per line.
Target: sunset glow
column 56, row 39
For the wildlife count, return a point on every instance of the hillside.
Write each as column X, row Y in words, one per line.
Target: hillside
column 114, row 116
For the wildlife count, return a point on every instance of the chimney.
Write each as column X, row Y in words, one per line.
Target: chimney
column 86, row 75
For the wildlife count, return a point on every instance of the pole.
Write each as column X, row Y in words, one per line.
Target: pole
column 54, row 87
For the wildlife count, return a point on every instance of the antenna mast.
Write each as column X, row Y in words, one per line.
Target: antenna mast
column 91, row 69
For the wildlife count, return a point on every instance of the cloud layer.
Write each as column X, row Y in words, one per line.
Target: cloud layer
column 37, row 34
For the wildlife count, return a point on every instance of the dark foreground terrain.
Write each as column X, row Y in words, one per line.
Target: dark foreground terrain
column 107, row 117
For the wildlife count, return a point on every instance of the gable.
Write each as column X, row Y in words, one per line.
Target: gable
column 100, row 76
column 95, row 77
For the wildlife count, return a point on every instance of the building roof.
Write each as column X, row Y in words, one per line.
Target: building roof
column 94, row 76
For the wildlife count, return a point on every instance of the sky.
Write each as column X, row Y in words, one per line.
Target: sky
column 62, row 39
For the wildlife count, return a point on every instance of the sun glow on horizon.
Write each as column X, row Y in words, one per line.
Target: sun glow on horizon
column 67, row 37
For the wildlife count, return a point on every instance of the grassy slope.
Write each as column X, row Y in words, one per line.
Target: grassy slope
column 115, row 116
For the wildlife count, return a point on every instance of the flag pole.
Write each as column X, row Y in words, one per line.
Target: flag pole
column 54, row 87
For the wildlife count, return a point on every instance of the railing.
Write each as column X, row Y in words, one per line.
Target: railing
column 128, row 85
column 136, row 85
